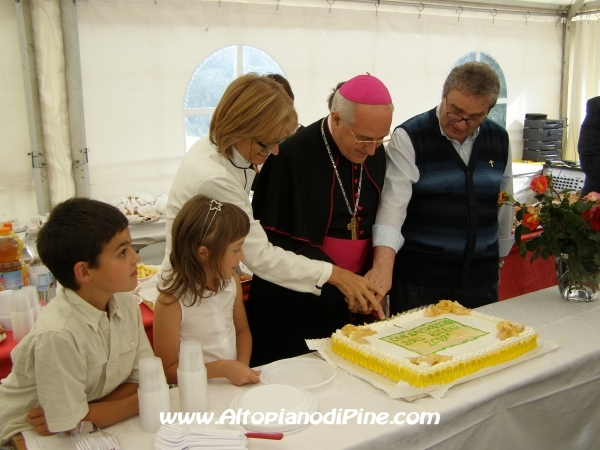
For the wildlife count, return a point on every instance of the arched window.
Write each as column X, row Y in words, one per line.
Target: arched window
column 498, row 112
column 210, row 80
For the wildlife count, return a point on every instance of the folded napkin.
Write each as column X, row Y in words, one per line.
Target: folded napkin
column 147, row 290
column 184, row 437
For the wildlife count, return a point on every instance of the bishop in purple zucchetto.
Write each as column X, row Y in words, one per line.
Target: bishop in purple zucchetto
column 366, row 90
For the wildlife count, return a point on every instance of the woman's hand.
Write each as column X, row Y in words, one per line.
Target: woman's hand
column 359, row 290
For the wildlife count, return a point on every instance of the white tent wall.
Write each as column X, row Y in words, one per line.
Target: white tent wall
column 138, row 58
column 17, row 193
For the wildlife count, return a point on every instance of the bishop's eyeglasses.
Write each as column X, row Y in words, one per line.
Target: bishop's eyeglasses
column 377, row 142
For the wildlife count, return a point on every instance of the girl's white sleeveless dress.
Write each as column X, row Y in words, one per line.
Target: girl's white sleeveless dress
column 210, row 322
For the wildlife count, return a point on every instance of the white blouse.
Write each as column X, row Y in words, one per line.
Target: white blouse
column 208, row 172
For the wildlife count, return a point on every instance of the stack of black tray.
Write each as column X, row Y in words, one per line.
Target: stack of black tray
column 542, row 138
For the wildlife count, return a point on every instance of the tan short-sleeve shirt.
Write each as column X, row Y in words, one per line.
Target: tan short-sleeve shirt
column 73, row 355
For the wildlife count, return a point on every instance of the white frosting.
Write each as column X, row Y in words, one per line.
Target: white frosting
column 477, row 348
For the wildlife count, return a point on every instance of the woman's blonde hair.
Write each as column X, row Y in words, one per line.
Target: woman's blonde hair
column 201, row 221
column 252, row 107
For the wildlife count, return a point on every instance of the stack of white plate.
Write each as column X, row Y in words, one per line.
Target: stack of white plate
column 273, row 398
column 303, row 373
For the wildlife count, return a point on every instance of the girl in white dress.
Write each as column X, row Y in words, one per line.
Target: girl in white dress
column 201, row 296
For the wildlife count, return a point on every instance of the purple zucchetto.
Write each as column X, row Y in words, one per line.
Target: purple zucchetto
column 367, row 90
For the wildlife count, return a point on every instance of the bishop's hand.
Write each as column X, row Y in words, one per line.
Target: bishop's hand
column 358, row 291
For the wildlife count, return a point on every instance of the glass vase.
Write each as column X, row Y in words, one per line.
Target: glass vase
column 575, row 283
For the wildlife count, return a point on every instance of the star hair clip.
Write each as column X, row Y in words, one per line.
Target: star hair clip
column 213, row 206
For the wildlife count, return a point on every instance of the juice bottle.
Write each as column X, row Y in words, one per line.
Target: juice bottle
column 11, row 266
column 20, row 244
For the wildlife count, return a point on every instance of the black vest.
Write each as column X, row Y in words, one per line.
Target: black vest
column 451, row 226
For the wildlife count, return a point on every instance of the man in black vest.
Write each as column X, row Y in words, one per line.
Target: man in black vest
column 439, row 233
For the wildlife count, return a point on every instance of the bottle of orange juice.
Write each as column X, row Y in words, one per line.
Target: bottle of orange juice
column 20, row 244
column 12, row 268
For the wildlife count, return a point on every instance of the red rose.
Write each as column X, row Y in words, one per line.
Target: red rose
column 531, row 221
column 539, row 184
column 593, row 217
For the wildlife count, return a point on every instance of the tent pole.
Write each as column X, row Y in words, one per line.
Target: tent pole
column 566, row 67
column 32, row 101
column 79, row 150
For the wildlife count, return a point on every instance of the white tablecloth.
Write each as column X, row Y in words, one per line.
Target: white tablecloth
column 550, row 402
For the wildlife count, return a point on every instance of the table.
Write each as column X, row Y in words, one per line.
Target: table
column 7, row 345
column 147, row 233
column 552, row 401
column 519, row 276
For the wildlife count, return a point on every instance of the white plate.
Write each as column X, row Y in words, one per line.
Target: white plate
column 273, row 398
column 302, row 373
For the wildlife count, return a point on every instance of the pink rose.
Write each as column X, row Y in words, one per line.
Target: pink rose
column 593, row 196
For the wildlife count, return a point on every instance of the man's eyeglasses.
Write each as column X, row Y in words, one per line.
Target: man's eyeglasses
column 269, row 146
column 455, row 118
column 370, row 141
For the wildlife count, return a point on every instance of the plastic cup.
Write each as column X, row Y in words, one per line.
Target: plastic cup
column 193, row 391
column 22, row 323
column 152, row 375
column 190, row 357
column 6, row 322
column 34, row 300
column 151, row 404
column 20, row 301
column 5, row 302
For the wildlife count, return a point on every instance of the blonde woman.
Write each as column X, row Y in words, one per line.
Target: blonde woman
column 254, row 115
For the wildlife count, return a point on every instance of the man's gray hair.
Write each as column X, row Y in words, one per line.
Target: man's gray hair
column 474, row 78
column 345, row 108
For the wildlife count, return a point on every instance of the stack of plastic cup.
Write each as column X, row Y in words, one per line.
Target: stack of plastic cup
column 153, row 393
column 192, row 378
column 5, row 309
column 21, row 314
column 33, row 301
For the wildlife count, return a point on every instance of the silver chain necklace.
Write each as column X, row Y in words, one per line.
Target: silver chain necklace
column 353, row 225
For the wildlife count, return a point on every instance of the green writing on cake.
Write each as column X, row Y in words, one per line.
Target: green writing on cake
column 434, row 336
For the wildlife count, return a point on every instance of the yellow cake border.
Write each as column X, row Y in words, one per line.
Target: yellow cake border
column 442, row 373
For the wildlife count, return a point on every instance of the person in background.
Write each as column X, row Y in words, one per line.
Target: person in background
column 288, row 90
column 252, row 118
column 283, row 82
column 201, row 299
column 318, row 198
column 439, row 209
column 80, row 360
column 589, row 147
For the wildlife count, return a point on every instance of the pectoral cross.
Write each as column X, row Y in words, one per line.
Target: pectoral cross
column 491, row 162
column 353, row 227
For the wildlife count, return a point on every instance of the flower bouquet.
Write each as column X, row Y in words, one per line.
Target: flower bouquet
column 570, row 232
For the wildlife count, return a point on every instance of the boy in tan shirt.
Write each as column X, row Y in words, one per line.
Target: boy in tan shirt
column 80, row 361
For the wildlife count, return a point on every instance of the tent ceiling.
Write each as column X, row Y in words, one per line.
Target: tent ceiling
column 547, row 6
